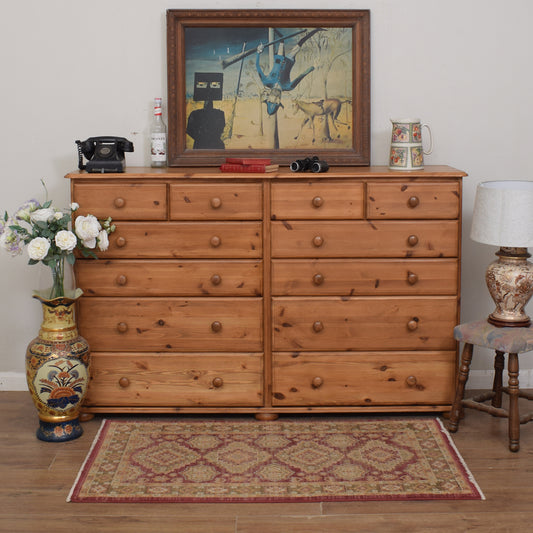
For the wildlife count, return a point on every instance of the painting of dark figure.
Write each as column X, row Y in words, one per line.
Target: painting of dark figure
column 269, row 78
column 266, row 83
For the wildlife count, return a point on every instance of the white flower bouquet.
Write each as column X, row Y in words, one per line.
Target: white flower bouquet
column 46, row 232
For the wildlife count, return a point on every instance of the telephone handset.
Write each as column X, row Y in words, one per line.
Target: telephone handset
column 104, row 154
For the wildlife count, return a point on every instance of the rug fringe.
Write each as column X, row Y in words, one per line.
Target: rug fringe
column 89, row 454
column 471, row 478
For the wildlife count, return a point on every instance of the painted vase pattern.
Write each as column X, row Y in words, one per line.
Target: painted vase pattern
column 57, row 371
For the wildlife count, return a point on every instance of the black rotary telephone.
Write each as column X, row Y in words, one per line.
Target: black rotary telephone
column 104, row 154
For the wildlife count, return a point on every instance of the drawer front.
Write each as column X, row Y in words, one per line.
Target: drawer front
column 343, row 277
column 413, row 200
column 132, row 277
column 365, row 239
column 317, row 199
column 122, row 201
column 171, row 324
column 185, row 240
column 216, row 201
column 386, row 378
column 181, row 380
column 364, row 323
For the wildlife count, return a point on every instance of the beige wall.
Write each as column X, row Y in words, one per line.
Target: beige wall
column 73, row 69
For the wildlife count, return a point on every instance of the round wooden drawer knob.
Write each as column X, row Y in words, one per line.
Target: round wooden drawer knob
column 412, row 240
column 412, row 325
column 215, row 202
column 122, row 279
column 124, row 382
column 122, row 327
column 413, row 201
column 318, row 241
column 318, row 279
column 215, row 241
column 216, row 279
column 412, row 278
column 119, row 203
column 217, row 383
column 318, row 326
column 121, row 242
column 317, row 382
column 216, row 326
column 411, row 381
column 317, row 201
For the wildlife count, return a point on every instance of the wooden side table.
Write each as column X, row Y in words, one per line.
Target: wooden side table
column 512, row 341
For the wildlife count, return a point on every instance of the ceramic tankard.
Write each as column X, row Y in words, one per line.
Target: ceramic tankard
column 407, row 152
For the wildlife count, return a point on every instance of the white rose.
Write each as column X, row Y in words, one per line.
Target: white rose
column 66, row 240
column 58, row 215
column 103, row 241
column 89, row 243
column 74, row 206
column 38, row 248
column 87, row 228
column 42, row 215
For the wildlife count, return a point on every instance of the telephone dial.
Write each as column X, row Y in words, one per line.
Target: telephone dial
column 103, row 154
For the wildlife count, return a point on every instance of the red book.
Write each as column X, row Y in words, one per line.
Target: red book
column 248, row 161
column 234, row 167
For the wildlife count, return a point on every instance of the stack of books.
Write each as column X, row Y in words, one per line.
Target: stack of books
column 248, row 164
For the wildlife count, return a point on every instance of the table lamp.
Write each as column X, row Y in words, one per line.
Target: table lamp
column 503, row 216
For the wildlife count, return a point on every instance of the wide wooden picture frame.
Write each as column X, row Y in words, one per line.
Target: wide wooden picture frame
column 282, row 84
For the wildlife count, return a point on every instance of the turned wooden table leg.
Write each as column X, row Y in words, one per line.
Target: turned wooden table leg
column 514, row 417
column 499, row 362
column 464, row 370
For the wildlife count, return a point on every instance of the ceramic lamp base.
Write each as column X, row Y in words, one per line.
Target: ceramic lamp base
column 59, row 431
column 510, row 283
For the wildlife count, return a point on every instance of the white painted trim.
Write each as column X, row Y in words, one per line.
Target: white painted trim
column 13, row 381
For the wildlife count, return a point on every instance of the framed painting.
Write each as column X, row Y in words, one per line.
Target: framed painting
column 280, row 84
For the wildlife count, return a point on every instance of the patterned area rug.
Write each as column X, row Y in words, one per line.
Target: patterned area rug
column 244, row 460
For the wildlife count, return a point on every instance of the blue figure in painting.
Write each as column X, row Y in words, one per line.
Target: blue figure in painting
column 279, row 78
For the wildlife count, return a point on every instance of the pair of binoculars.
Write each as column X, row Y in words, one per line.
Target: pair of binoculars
column 309, row 163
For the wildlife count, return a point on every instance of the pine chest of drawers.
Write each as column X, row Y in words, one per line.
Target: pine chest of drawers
column 272, row 293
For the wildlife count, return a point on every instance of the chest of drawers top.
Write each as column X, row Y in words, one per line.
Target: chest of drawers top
column 348, row 193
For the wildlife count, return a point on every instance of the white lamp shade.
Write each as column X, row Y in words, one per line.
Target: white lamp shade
column 503, row 213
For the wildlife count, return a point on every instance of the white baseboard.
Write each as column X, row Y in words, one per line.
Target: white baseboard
column 478, row 379
column 13, row 381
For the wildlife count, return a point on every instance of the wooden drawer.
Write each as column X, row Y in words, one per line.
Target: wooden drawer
column 317, row 199
column 216, row 201
column 130, row 277
column 185, row 240
column 122, row 201
column 181, row 380
column 365, row 239
column 364, row 323
column 343, row 277
column 413, row 200
column 171, row 324
column 390, row 378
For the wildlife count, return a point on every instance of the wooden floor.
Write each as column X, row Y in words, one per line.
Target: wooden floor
column 36, row 477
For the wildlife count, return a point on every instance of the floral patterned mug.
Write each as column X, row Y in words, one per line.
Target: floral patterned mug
column 407, row 152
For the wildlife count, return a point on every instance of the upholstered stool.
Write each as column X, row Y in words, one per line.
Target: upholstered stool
column 503, row 340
